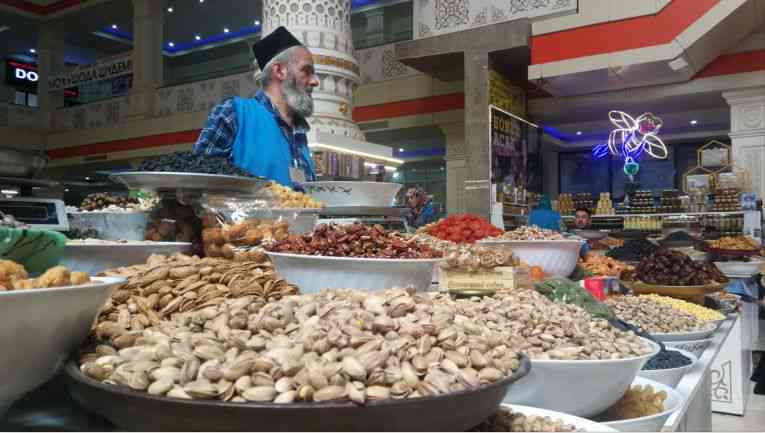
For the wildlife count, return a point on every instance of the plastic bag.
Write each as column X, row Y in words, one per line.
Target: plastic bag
column 233, row 227
column 569, row 292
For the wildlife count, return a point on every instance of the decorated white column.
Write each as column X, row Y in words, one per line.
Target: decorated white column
column 324, row 27
column 747, row 133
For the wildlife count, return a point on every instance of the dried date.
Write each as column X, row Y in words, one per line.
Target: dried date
column 354, row 240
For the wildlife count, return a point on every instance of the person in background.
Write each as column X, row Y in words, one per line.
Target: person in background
column 420, row 206
column 582, row 218
column 543, row 216
column 267, row 135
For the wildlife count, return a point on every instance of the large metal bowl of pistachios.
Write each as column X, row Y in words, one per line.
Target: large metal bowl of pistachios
column 138, row 411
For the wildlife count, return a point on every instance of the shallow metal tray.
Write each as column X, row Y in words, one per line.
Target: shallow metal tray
column 158, row 181
column 138, row 411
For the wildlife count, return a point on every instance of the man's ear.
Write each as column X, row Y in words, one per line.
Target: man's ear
column 281, row 71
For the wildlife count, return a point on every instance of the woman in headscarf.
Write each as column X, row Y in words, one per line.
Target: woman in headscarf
column 543, row 216
column 420, row 206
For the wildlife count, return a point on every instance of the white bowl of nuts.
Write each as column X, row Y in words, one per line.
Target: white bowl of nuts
column 41, row 327
column 518, row 418
column 341, row 194
column 577, row 386
column 670, row 376
column 314, row 273
column 645, row 394
column 555, row 257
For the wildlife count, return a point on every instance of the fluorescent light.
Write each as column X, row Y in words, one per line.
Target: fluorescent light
column 694, row 122
column 114, row 26
column 197, row 37
column 225, row 30
column 578, row 132
column 9, row 191
column 390, row 168
column 354, row 152
column 170, row 9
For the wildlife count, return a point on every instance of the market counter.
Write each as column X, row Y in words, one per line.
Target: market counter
column 696, row 386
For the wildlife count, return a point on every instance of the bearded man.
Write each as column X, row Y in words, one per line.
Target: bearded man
column 266, row 135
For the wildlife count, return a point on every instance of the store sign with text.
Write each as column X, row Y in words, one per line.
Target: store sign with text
column 104, row 70
column 514, row 150
column 21, row 74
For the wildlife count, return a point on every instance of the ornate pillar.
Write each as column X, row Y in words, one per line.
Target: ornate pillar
column 747, row 132
column 324, row 27
column 50, row 61
column 148, row 30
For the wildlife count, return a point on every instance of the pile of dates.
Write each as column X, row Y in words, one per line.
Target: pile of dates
column 190, row 162
column 674, row 268
column 354, row 240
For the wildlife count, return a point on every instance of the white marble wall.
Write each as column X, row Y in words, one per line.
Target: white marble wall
column 438, row 17
column 379, row 63
column 748, row 133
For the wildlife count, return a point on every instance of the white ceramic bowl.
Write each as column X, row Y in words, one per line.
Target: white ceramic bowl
column 40, row 328
column 684, row 336
column 582, row 424
column 112, row 226
column 653, row 422
column 696, row 347
column 314, row 273
column 97, row 256
column 557, row 258
column 670, row 376
column 582, row 388
column 739, row 269
column 342, row 194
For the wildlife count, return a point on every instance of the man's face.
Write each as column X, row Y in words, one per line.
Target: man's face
column 582, row 219
column 299, row 83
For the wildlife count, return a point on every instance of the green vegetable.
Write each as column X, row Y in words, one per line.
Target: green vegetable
column 569, row 292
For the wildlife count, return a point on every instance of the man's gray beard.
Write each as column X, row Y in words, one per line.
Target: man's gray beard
column 299, row 101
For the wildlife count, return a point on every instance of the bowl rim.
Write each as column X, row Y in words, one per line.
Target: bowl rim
column 678, row 342
column 538, row 411
column 360, row 182
column 656, row 349
column 95, row 283
column 353, row 259
column 689, row 334
column 657, row 386
column 80, row 243
column 694, row 359
column 532, row 241
column 72, row 370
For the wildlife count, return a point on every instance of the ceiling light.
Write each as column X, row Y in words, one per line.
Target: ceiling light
column 66, row 190
column 87, row 177
column 32, row 50
column 354, row 152
column 390, row 168
column 257, row 23
column 201, row 1
column 694, row 122
column 578, row 132
column 225, row 30
column 400, row 149
column 170, row 9
column 114, row 26
column 197, row 37
column 171, row 44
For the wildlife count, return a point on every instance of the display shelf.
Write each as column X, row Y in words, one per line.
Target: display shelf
column 695, row 414
column 676, row 214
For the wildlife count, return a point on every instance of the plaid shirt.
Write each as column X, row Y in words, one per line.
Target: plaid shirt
column 218, row 134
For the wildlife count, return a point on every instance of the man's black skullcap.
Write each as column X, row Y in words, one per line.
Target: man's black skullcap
column 273, row 45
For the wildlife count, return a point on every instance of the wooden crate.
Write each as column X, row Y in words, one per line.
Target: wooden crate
column 489, row 281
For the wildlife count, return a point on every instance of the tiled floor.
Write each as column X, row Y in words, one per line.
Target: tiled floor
column 753, row 421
